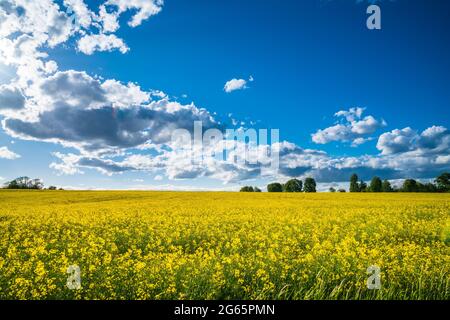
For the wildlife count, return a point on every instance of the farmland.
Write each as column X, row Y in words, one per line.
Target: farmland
column 210, row 245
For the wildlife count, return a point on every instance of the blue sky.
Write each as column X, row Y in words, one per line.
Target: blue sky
column 309, row 60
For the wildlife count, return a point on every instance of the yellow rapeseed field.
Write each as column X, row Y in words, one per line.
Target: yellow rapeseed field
column 175, row 245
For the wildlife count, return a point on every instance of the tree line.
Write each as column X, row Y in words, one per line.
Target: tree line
column 293, row 185
column 27, row 183
column 441, row 184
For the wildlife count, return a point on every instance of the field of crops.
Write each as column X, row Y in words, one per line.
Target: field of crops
column 174, row 245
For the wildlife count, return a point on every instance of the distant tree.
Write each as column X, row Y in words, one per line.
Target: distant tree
column 354, row 186
column 256, row 189
column 310, row 185
column 293, row 185
column 342, row 190
column 24, row 183
column 410, row 185
column 362, row 186
column 275, row 187
column 443, row 182
column 247, row 189
column 428, row 187
column 375, row 185
column 12, row 185
column 332, row 189
column 386, row 186
column 420, row 187
column 52, row 188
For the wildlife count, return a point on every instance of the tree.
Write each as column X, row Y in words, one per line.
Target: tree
column 362, row 186
column 375, row 185
column 24, row 183
column 342, row 190
column 428, row 187
column 443, row 182
column 332, row 189
column 256, row 189
column 52, row 188
column 310, row 185
column 354, row 187
column 420, row 187
column 275, row 187
column 293, row 185
column 386, row 186
column 247, row 189
column 12, row 185
column 410, row 185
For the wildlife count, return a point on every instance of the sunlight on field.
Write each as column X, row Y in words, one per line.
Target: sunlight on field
column 169, row 245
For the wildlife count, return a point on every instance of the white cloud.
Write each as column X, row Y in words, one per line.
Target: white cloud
column 443, row 159
column 123, row 96
column 396, row 141
column 82, row 13
column 337, row 132
column 350, row 115
column 294, row 162
column 108, row 20
column 368, row 125
column 67, row 166
column 359, row 141
column 5, row 153
column 236, row 84
column 28, row 26
column 145, row 9
column 353, row 129
column 101, row 42
column 432, row 141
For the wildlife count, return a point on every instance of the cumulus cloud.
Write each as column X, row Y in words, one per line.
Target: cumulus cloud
column 359, row 141
column 68, row 164
column 5, row 153
column 127, row 95
column 26, row 17
column 352, row 128
column 144, row 10
column 11, row 98
column 81, row 11
column 435, row 139
column 432, row 141
column 396, row 141
column 293, row 162
column 236, row 84
column 350, row 115
column 80, row 111
column 28, row 26
column 101, row 42
column 443, row 160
